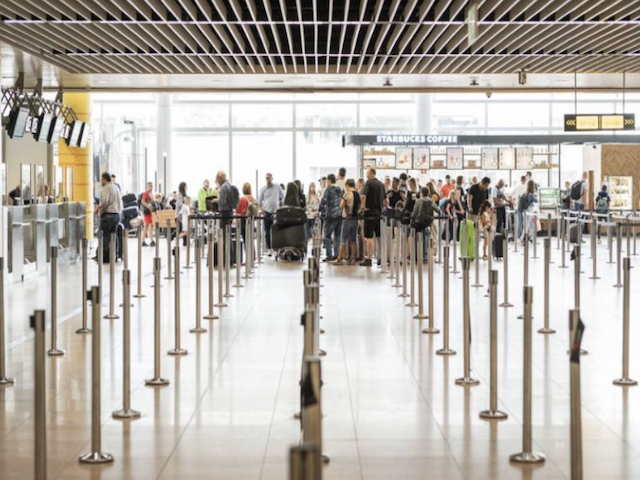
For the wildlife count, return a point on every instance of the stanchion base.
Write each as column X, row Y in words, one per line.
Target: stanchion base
column 594, row 278
column 247, row 277
column 96, row 457
column 493, row 415
column 527, row 457
column 445, row 352
column 477, row 285
column 220, row 305
column 177, row 352
column 467, row 382
column 188, row 267
column 625, row 382
column 411, row 304
column 297, row 415
column 563, row 266
column 198, row 330
column 56, row 352
column 582, row 352
column 83, row 330
column 325, row 459
column 396, row 286
column 111, row 317
column 156, row 382
column 128, row 414
column 506, row 304
column 239, row 285
column 7, row 381
column 169, row 278
column 430, row 330
column 546, row 330
column 322, row 353
column 139, row 296
column 211, row 316
column 321, row 330
column 618, row 285
column 421, row 316
column 404, row 295
column 228, row 295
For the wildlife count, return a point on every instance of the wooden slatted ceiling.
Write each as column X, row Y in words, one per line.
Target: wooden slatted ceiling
column 328, row 36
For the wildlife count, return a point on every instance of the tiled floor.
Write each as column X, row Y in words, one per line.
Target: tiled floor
column 392, row 410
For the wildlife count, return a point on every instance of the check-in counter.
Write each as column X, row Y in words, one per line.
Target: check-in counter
column 33, row 229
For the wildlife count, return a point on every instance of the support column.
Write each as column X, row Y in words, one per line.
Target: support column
column 423, row 113
column 163, row 143
column 80, row 159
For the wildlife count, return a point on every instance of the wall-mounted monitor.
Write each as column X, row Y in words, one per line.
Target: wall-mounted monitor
column 75, row 131
column 56, row 129
column 17, row 122
column 84, row 135
column 41, row 127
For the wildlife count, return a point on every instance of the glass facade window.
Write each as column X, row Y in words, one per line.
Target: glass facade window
column 388, row 116
column 321, row 153
column 326, row 115
column 200, row 115
column 198, row 156
column 262, row 115
column 256, row 152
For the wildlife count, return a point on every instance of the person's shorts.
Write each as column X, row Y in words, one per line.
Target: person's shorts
column 349, row 232
column 147, row 218
column 372, row 227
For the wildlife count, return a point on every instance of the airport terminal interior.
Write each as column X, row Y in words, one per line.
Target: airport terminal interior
column 304, row 240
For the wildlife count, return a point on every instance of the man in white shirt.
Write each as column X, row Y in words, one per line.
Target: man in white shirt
column 109, row 210
column 342, row 178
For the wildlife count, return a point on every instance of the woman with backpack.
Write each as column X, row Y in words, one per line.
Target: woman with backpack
column 312, row 207
column 422, row 216
column 527, row 203
column 603, row 201
column 350, row 205
column 247, row 206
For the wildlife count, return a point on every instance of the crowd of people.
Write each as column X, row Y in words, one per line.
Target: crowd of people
column 351, row 209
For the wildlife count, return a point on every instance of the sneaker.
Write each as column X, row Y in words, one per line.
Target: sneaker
column 269, row 253
column 365, row 263
column 152, row 244
column 351, row 262
column 337, row 261
column 379, row 261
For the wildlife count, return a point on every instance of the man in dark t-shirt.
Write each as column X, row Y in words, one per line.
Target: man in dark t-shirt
column 373, row 199
column 478, row 193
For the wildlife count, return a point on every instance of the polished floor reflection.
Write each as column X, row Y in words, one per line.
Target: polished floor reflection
column 392, row 410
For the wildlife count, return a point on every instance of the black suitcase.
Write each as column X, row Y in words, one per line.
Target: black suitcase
column 130, row 212
column 129, row 199
column 498, row 245
column 283, row 236
column 287, row 216
column 573, row 233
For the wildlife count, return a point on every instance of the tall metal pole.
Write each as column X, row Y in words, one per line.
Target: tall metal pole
column 198, row 328
column 112, row 278
column 54, row 351
column 565, row 222
column 412, row 261
column 177, row 348
column 445, row 350
column 477, row 283
column 100, row 258
column 84, row 328
column 40, row 396
column 576, row 330
column 505, row 268
column 431, row 328
column 220, row 303
column 420, row 315
column 187, row 263
column 126, row 412
column 493, row 413
column 157, row 380
column 4, row 380
column 227, row 261
column 455, row 246
column 403, row 256
column 594, row 248
column 211, row 267
column 527, row 455
column 96, row 455
column 238, row 283
column 168, row 234
column 619, row 255
column 139, row 293
column 547, row 281
column 626, row 306
column 466, row 380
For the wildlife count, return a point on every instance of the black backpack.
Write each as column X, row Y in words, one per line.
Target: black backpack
column 356, row 205
column 235, row 197
column 576, row 190
column 424, row 216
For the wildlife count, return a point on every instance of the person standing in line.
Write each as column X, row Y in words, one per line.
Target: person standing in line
column 183, row 216
column 447, row 187
column 579, row 192
column 205, row 193
column 117, row 185
column 180, row 198
column 302, row 199
column 373, row 202
column 350, row 205
column 527, row 203
column 291, row 196
column 518, row 192
column 342, row 178
column 404, row 178
column 312, row 208
column 565, row 196
column 486, row 226
column 109, row 209
column 148, row 207
column 247, row 207
column 270, row 198
column 478, row 193
column 603, row 202
column 500, row 203
column 330, row 206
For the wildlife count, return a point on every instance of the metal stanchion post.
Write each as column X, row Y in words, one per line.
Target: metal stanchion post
column 112, row 278
column 4, row 380
column 618, row 255
column 227, row 261
column 466, row 380
column 609, row 239
column 210, row 269
column 445, row 350
column 515, row 232
column 526, row 266
column 220, row 303
column 259, row 225
column 527, row 455
column 493, row 413
column 126, row 412
column 187, row 263
column 84, row 328
column 403, row 255
column 312, row 404
column 420, row 315
column 576, row 289
column 100, row 258
column 412, row 260
column 535, row 237
column 157, row 380
column 476, row 259
column 382, row 254
column 96, row 455
column 439, row 260
column 564, row 241
column 576, row 329
column 238, row 283
column 505, row 267
column 391, row 251
column 547, row 261
column 177, row 349
column 455, row 246
column 626, row 304
column 54, row 351
column 198, row 328
column 248, row 247
column 139, row 294
column 431, row 327
column 628, row 235
column 40, row 396
column 594, row 248
column 168, row 234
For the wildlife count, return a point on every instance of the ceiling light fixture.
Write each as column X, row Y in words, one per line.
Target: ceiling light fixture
column 387, row 82
column 474, row 82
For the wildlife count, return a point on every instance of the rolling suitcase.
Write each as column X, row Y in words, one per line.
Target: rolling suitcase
column 288, row 216
column 129, row 199
column 467, row 249
column 498, row 245
column 573, row 233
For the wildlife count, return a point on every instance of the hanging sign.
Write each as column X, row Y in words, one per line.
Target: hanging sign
column 596, row 122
